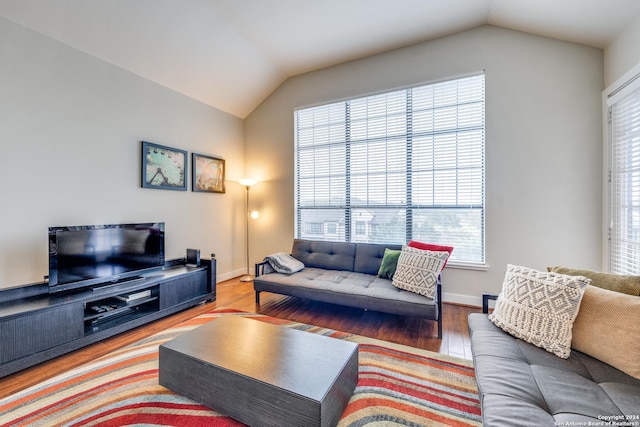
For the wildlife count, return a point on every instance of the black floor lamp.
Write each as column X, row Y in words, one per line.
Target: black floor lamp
column 248, row 183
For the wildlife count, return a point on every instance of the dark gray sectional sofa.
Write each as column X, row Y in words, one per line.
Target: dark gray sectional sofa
column 346, row 274
column 523, row 385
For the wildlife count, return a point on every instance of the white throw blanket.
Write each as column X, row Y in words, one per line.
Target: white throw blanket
column 284, row 263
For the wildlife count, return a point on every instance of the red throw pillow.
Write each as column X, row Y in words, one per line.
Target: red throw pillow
column 431, row 247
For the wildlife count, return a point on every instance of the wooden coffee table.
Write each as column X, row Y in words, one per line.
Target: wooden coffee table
column 262, row 374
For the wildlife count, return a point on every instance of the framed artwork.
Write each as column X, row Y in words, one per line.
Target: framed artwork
column 207, row 173
column 163, row 167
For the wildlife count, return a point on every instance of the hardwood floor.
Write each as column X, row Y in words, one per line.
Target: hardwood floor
column 240, row 295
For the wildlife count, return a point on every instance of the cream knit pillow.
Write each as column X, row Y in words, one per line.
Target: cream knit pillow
column 539, row 307
column 418, row 270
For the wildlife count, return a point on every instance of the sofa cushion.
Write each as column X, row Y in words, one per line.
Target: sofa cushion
column 608, row 328
column 348, row 288
column 539, row 307
column 521, row 384
column 418, row 270
column 614, row 282
column 389, row 263
column 327, row 255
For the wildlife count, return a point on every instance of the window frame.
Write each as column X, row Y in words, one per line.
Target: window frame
column 349, row 233
column 625, row 86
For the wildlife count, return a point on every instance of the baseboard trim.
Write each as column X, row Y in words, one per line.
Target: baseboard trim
column 231, row 275
column 462, row 299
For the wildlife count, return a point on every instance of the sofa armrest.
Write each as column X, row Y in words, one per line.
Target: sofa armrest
column 485, row 301
column 260, row 268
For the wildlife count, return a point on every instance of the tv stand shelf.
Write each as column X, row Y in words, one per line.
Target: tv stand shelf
column 36, row 326
column 115, row 311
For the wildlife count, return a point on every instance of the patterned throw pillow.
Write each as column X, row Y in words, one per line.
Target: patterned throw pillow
column 539, row 307
column 418, row 270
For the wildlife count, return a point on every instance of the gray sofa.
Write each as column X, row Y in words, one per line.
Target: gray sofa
column 523, row 385
column 346, row 274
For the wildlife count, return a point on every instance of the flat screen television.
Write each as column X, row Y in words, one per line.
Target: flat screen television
column 96, row 255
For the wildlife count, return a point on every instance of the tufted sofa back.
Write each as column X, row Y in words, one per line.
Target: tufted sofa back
column 369, row 257
column 358, row 257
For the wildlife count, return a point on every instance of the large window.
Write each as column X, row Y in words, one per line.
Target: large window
column 407, row 164
column 624, row 135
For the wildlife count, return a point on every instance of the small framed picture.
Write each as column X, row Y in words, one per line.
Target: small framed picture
column 207, row 173
column 163, row 167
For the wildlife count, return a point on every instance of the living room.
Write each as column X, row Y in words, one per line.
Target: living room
column 72, row 126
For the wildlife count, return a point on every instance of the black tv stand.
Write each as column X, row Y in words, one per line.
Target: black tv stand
column 37, row 326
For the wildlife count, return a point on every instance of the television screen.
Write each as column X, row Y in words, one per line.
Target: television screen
column 81, row 256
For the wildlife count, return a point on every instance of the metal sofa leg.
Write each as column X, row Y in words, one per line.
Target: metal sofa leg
column 439, row 302
column 258, row 297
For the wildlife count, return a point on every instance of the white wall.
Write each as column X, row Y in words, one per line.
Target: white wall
column 623, row 53
column 70, row 132
column 543, row 146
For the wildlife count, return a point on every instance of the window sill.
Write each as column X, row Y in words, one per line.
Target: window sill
column 467, row 266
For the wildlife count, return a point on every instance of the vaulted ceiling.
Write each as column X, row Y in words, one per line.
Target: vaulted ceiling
column 231, row 54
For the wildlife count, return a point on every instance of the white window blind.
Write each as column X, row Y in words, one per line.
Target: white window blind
column 388, row 168
column 624, row 231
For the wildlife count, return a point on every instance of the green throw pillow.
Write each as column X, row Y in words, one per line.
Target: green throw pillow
column 389, row 263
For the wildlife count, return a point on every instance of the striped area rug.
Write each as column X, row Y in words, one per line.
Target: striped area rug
column 397, row 386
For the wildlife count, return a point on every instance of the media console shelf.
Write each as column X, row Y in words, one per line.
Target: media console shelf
column 36, row 326
column 106, row 313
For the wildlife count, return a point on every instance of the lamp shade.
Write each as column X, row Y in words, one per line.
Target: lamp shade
column 248, row 182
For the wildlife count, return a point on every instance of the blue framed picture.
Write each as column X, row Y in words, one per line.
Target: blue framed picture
column 163, row 168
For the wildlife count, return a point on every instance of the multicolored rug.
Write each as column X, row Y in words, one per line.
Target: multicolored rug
column 397, row 385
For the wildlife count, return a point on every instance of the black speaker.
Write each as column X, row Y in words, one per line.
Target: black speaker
column 193, row 257
column 211, row 266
